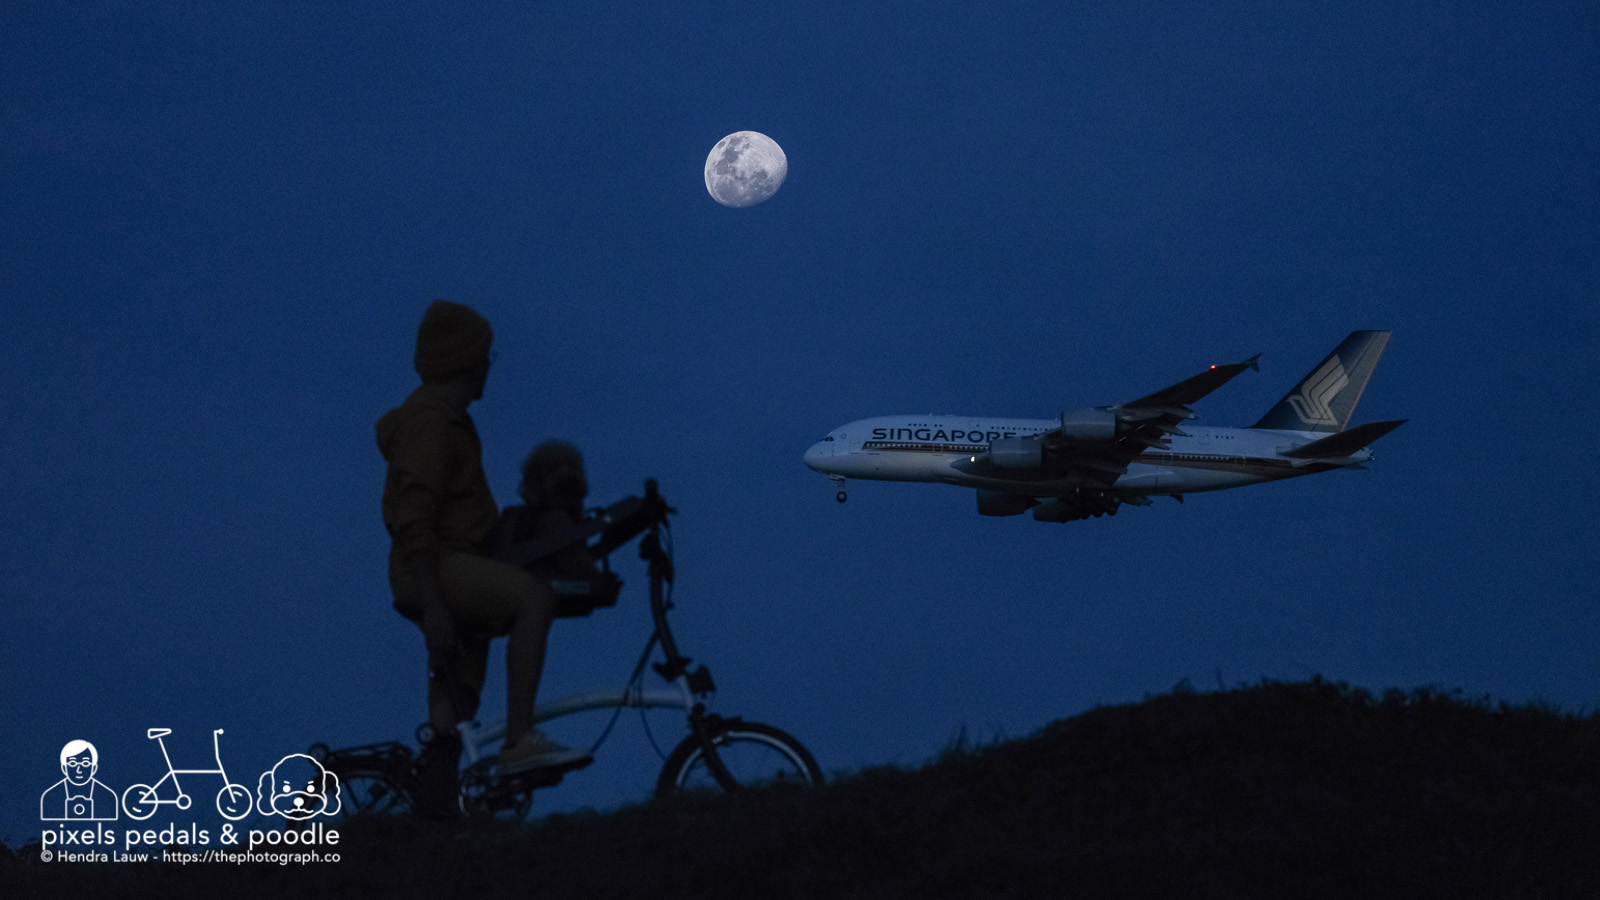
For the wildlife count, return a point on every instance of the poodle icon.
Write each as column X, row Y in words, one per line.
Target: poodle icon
column 298, row 787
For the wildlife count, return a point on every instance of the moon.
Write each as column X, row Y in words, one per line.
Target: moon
column 745, row 168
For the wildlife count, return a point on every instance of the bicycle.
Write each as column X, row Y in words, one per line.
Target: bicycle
column 719, row 753
column 140, row 801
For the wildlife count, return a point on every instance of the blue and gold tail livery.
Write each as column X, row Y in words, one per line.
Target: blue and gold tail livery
column 1325, row 399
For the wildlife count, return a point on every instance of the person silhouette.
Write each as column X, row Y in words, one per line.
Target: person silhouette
column 440, row 516
column 79, row 797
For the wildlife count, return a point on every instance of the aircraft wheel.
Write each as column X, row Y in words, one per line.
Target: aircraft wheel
column 840, row 496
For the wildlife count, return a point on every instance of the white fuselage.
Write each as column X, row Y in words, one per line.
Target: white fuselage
column 940, row 448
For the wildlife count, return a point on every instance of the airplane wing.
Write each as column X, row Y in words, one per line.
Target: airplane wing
column 1181, row 395
column 1148, row 421
column 1125, row 430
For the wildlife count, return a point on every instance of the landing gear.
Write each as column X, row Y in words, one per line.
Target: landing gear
column 838, row 482
column 1080, row 504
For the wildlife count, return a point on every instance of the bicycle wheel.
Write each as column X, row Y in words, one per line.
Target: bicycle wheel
column 235, row 802
column 755, row 755
column 139, row 801
column 371, row 792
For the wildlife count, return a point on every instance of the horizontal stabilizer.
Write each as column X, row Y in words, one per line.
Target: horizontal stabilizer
column 1345, row 442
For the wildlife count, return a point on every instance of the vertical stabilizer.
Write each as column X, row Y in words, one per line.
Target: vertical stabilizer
column 1325, row 399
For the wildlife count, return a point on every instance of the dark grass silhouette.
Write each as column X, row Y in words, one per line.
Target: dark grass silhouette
column 1302, row 790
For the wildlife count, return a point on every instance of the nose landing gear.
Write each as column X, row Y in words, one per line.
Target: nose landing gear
column 838, row 482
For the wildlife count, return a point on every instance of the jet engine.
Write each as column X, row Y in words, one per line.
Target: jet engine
column 1016, row 453
column 1089, row 424
column 998, row 503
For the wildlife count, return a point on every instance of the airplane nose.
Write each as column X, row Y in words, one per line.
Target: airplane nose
column 815, row 454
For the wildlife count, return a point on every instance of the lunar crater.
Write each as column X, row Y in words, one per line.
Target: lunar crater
column 745, row 168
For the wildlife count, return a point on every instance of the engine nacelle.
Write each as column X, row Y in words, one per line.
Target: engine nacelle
column 1089, row 424
column 1016, row 453
column 996, row 503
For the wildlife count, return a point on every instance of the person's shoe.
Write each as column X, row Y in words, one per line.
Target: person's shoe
column 535, row 751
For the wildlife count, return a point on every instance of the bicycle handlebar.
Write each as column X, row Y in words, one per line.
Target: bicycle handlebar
column 616, row 524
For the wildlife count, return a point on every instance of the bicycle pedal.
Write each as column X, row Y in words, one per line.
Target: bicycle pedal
column 542, row 777
column 569, row 766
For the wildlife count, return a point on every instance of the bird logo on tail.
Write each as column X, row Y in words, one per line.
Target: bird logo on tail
column 1311, row 404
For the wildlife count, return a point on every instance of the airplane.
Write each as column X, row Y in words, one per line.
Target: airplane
column 1088, row 462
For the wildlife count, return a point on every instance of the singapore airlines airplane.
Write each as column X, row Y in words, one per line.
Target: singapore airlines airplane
column 1088, row 462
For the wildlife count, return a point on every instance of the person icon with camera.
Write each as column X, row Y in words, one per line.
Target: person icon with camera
column 79, row 797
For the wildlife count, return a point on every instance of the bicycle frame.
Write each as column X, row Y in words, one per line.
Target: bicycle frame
column 475, row 736
column 183, row 799
column 621, row 524
column 387, row 776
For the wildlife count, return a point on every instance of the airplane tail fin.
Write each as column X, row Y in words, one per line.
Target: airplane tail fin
column 1325, row 399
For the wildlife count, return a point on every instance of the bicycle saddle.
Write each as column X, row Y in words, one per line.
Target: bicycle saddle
column 154, row 733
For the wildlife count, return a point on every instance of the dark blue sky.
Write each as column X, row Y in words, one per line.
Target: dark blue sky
column 219, row 226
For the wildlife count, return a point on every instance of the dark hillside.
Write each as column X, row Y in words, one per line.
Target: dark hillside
column 1282, row 790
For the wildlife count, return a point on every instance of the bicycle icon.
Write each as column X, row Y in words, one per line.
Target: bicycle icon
column 140, row 801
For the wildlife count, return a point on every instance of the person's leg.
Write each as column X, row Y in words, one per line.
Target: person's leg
column 490, row 597
column 525, row 651
column 442, row 700
column 471, row 665
column 449, row 701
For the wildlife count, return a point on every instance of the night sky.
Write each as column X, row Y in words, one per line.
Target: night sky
column 220, row 224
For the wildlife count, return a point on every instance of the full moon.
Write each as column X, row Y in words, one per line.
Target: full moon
column 745, row 168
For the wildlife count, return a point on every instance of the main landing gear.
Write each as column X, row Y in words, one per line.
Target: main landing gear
column 838, row 482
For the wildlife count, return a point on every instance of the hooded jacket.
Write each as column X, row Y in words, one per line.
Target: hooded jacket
column 435, row 495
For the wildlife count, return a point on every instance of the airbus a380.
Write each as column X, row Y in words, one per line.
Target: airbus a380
column 1088, row 462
